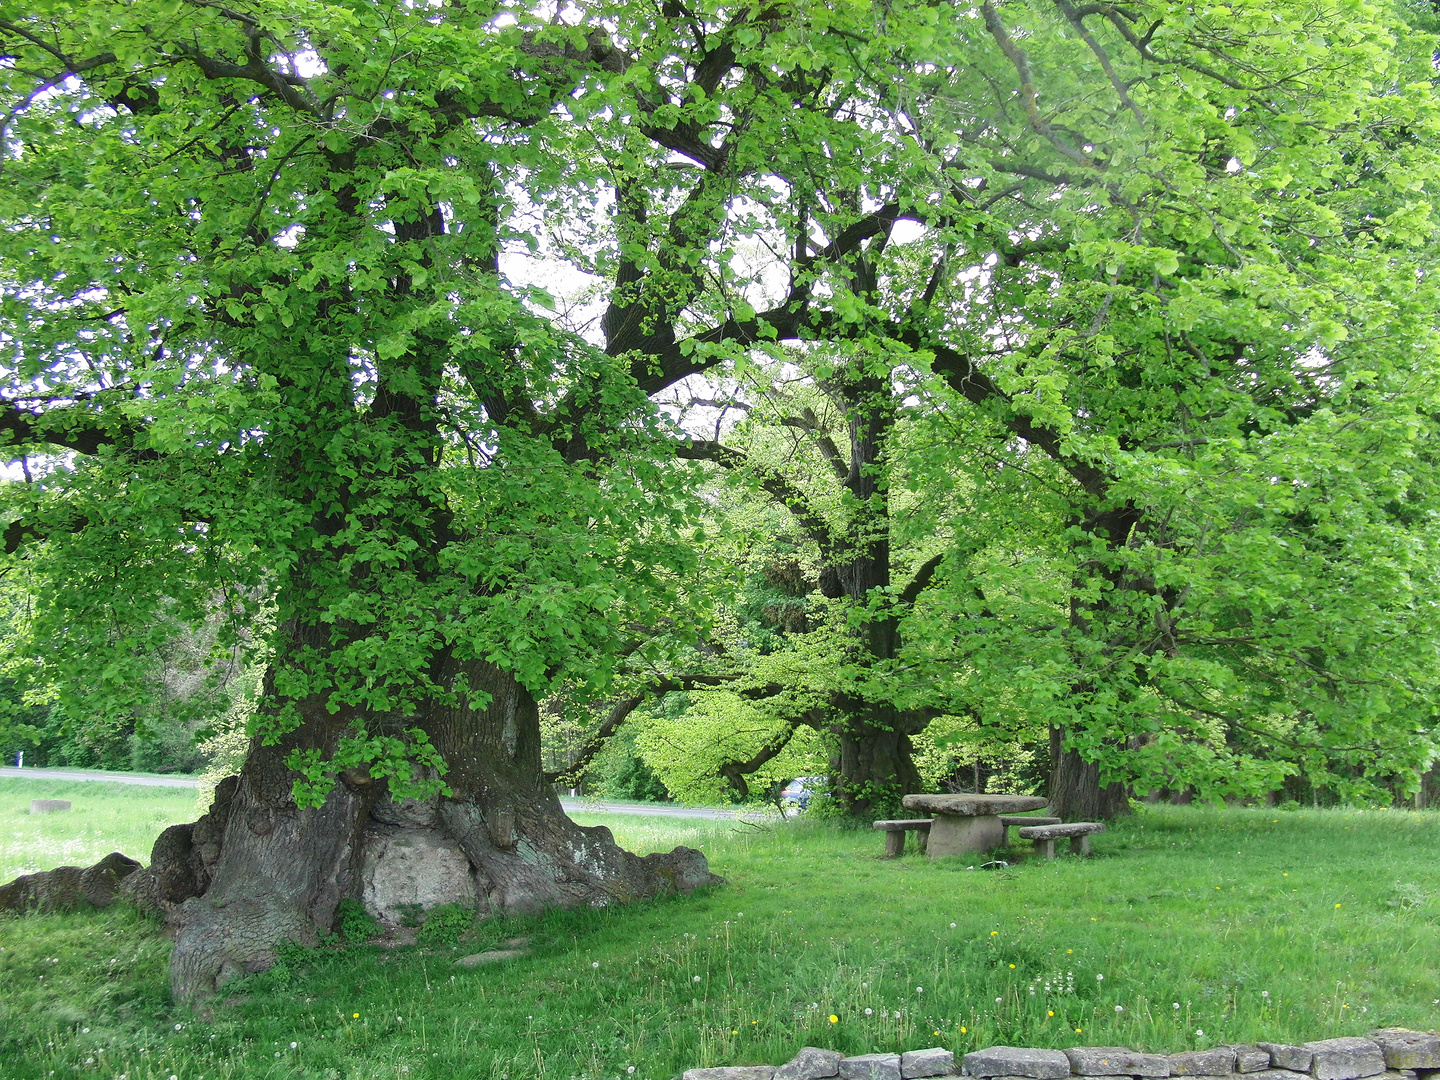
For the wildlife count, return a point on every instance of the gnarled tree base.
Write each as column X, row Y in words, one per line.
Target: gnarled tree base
column 285, row 870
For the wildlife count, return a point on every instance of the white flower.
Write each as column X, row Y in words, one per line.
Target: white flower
column 1265, row 993
column 919, row 989
column 1099, row 978
column 695, row 979
column 595, row 963
column 294, row 1045
column 630, row 1069
column 1198, row 1033
column 179, row 1026
column 84, row 1031
column 1119, row 1008
column 869, row 1012
column 277, row 1053
column 998, row 1000
column 897, row 1014
column 952, row 926
column 1175, row 1005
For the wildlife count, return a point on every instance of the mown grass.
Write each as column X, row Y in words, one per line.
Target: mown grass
column 103, row 818
column 1256, row 924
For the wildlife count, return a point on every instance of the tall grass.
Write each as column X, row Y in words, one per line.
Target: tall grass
column 103, row 818
column 1189, row 928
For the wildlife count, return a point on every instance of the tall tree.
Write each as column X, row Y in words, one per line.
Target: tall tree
column 261, row 262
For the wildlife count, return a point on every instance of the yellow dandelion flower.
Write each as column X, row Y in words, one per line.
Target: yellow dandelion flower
column 1012, row 967
column 963, row 1031
column 834, row 1019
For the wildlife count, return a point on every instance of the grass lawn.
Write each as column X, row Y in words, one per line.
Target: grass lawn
column 1189, row 928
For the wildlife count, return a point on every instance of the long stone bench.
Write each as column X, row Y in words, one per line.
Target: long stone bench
column 1079, row 833
column 1023, row 820
column 895, row 834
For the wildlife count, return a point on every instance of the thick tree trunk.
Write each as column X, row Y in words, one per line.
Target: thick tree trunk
column 875, row 764
column 1075, row 791
column 499, row 843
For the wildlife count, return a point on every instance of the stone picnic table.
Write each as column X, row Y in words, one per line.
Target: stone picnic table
column 968, row 823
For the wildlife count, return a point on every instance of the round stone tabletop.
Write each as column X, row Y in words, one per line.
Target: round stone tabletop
column 973, row 805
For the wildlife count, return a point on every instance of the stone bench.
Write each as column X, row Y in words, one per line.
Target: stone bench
column 895, row 834
column 1022, row 821
column 1079, row 833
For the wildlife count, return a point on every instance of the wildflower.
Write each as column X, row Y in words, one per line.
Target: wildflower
column 595, row 963
column 1012, row 967
column 1265, row 993
column 993, row 933
column 277, row 1053
column 735, row 1031
column 952, row 926
column 1099, row 978
column 1337, row 905
column 1051, row 1012
column 354, row 1016
column 1069, row 952
column 962, row 1031
column 1077, row 1031
column 869, row 1012
column 84, row 1031
column 179, row 1026
column 998, row 1000
column 1199, row 1032
column 1175, row 1005
column 294, row 1045
column 695, row 979
column 919, row 989
column 1119, row 1008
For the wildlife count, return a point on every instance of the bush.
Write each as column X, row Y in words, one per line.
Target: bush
column 354, row 923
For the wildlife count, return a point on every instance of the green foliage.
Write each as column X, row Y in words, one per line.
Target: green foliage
column 619, row 772
column 444, row 924
column 1151, row 366
column 1180, row 905
column 354, row 923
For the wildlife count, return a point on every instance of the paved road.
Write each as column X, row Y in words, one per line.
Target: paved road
column 95, row 774
column 572, row 806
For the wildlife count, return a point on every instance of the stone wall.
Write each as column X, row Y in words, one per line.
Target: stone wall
column 1386, row 1054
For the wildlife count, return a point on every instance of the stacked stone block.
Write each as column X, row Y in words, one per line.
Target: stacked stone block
column 1385, row 1054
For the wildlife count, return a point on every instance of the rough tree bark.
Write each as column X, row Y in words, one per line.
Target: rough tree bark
column 261, row 870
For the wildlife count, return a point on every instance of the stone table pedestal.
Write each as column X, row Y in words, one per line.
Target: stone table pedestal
column 968, row 823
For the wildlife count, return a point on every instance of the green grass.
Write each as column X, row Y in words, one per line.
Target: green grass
column 1231, row 915
column 103, row 818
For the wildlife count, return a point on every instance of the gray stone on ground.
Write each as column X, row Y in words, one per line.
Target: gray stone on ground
column 48, row 806
column 732, row 1072
column 1406, row 1049
column 870, row 1067
column 1219, row 1061
column 1116, row 1061
column 811, row 1063
column 1345, row 1059
column 1285, row 1056
column 936, row 1061
column 1017, row 1061
column 1248, row 1058
column 489, row 956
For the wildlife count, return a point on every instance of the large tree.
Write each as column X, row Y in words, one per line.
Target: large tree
column 268, row 328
